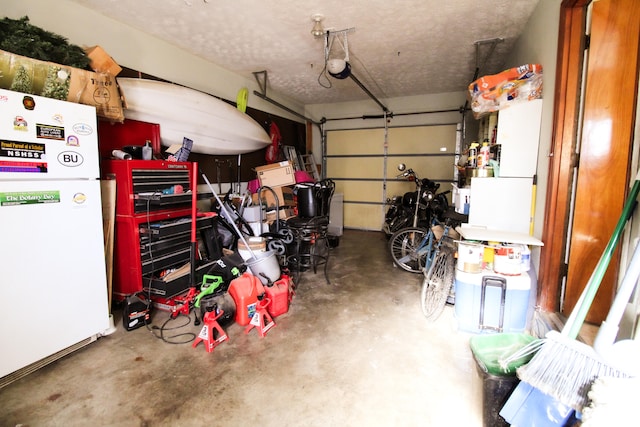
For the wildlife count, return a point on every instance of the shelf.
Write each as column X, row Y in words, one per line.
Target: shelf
column 484, row 234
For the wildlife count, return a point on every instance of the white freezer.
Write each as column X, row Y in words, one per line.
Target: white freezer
column 43, row 138
column 53, row 283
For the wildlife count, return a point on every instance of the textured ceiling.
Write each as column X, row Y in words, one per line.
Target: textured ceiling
column 396, row 48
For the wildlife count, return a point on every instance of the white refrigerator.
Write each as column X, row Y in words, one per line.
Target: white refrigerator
column 53, row 283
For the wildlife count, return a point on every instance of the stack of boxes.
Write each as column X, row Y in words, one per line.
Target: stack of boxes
column 276, row 181
column 280, row 179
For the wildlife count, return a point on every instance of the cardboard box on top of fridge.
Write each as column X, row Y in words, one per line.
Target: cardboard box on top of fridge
column 51, row 80
column 101, row 61
column 276, row 174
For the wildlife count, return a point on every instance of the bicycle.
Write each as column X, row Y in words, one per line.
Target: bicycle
column 431, row 252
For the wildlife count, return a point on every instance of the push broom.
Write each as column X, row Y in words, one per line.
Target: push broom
column 563, row 367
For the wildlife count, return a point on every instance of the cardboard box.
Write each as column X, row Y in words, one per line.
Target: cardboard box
column 101, row 61
column 276, row 174
column 284, row 194
column 284, row 213
column 52, row 80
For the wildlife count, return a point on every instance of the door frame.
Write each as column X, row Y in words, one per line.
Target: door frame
column 567, row 98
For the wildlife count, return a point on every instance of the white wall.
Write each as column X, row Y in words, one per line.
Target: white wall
column 134, row 49
column 538, row 45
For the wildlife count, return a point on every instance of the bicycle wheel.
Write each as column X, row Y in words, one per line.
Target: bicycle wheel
column 404, row 246
column 436, row 285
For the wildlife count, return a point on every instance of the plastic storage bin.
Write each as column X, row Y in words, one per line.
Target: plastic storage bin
column 500, row 305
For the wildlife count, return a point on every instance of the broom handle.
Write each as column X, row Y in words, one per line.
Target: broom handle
column 609, row 329
column 579, row 312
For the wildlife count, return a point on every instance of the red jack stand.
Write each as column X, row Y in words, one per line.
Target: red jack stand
column 261, row 319
column 206, row 334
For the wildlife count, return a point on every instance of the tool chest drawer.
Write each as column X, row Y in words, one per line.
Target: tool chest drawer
column 172, row 227
column 164, row 244
column 149, row 185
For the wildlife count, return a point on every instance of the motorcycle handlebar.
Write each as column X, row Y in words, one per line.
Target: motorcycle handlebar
column 408, row 172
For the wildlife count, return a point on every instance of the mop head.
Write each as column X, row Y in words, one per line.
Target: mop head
column 612, row 402
column 564, row 369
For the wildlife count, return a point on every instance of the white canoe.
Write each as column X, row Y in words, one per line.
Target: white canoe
column 214, row 126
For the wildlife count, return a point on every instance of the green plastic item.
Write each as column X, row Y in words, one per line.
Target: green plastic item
column 488, row 349
column 209, row 285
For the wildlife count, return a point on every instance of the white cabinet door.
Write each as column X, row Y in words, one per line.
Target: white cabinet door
column 501, row 204
column 519, row 134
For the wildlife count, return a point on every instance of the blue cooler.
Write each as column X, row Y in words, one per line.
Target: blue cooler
column 492, row 302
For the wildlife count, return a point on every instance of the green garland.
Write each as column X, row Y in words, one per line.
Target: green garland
column 20, row 37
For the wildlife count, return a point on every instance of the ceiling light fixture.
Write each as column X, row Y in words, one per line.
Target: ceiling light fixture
column 317, row 31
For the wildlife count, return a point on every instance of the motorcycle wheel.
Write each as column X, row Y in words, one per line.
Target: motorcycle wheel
column 398, row 223
column 404, row 245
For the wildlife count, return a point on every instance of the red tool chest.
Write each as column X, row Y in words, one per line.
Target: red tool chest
column 153, row 223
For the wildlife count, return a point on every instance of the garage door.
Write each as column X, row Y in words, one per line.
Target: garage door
column 363, row 162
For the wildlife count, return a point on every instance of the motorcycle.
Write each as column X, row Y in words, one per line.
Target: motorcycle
column 414, row 208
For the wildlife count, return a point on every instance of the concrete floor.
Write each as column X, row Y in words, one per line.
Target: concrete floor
column 357, row 352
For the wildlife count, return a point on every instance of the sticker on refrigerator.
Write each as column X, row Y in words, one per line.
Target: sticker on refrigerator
column 79, row 198
column 23, row 167
column 82, row 129
column 70, row 159
column 19, row 123
column 21, row 150
column 29, row 103
column 49, row 132
column 73, row 141
column 29, row 198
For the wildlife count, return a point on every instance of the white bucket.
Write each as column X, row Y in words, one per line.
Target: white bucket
column 470, row 257
column 264, row 263
column 256, row 244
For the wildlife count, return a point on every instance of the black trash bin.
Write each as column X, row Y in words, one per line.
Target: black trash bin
column 497, row 384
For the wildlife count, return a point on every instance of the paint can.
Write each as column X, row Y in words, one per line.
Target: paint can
column 470, row 257
column 512, row 259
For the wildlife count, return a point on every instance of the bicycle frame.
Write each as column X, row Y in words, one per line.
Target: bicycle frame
column 429, row 245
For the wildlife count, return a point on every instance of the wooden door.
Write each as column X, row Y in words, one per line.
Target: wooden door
column 601, row 149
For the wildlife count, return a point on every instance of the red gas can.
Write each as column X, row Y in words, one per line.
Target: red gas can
column 245, row 290
column 280, row 295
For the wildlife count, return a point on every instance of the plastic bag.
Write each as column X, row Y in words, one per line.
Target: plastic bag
column 497, row 91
